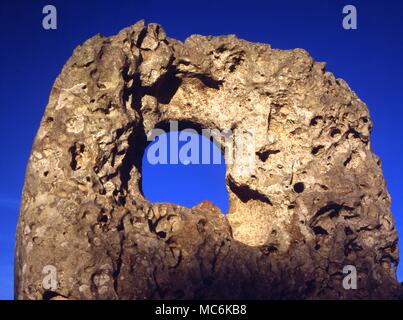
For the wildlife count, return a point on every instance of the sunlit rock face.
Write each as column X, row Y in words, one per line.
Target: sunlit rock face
column 314, row 202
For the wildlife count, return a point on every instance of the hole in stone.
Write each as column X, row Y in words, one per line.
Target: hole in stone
column 315, row 120
column 161, row 234
column 167, row 86
column 75, row 150
column 317, row 149
column 103, row 218
column 320, row 231
column 354, row 133
column 245, row 194
column 299, row 187
column 264, row 155
column 184, row 167
column 347, row 161
column 334, row 132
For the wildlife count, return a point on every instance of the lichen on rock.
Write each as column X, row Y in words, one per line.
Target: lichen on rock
column 316, row 202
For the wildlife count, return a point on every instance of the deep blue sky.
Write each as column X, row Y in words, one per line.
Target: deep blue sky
column 370, row 59
column 185, row 184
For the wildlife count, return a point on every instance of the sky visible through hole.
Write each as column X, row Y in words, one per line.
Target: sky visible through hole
column 184, row 184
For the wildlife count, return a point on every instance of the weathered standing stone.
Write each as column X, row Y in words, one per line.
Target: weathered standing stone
column 316, row 202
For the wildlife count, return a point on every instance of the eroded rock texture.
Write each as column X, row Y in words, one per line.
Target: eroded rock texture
column 316, row 202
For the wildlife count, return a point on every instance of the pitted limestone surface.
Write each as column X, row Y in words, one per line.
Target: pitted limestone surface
column 315, row 202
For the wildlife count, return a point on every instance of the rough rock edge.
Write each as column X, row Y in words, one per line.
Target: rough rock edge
column 317, row 202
